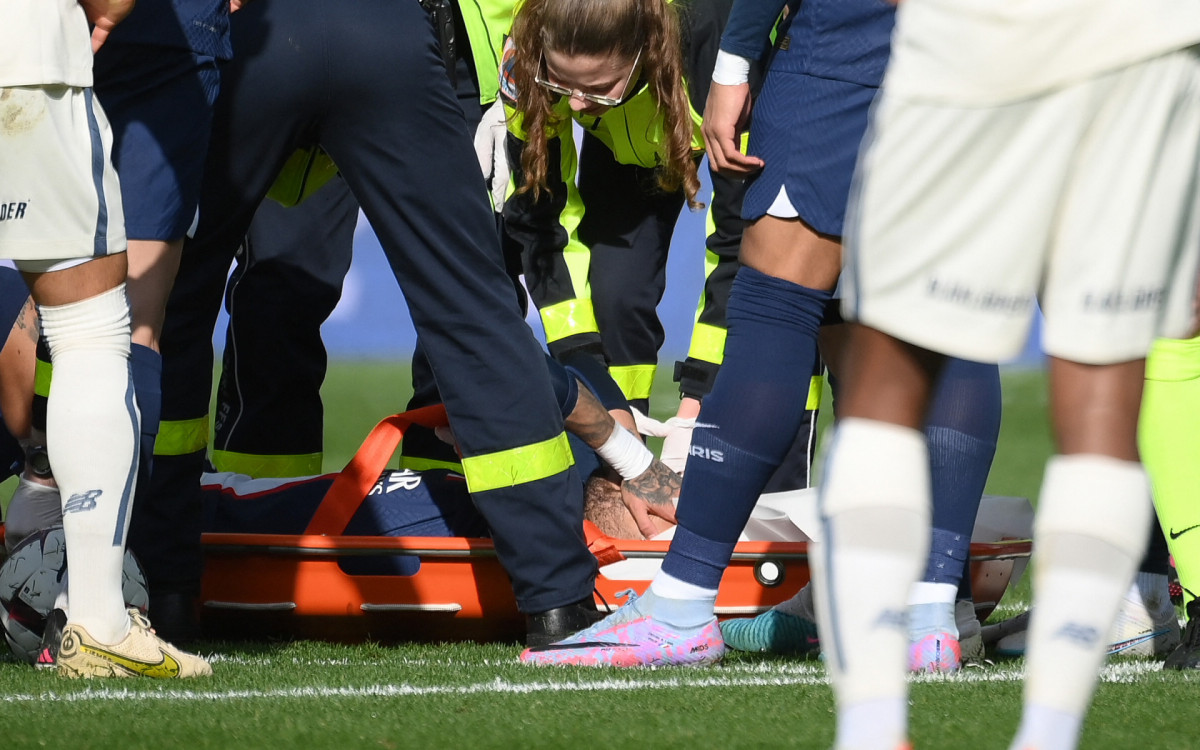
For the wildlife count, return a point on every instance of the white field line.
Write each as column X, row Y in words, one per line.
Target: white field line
column 641, row 680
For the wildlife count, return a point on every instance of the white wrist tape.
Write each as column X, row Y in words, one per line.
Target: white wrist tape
column 731, row 69
column 628, row 456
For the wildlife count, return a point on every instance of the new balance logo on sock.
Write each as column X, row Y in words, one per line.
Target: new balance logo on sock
column 706, row 454
column 1084, row 635
column 892, row 618
column 81, row 501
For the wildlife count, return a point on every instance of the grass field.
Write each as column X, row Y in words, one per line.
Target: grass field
column 317, row 695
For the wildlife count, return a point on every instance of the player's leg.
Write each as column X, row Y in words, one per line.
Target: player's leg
column 17, row 360
column 1167, row 437
column 1135, row 165
column 1090, row 530
column 70, row 248
column 745, row 427
column 707, row 348
column 875, row 500
column 84, row 314
column 907, row 226
column 91, row 431
column 961, row 431
column 160, row 101
column 791, row 259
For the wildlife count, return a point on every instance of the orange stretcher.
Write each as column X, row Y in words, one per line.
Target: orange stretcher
column 269, row 585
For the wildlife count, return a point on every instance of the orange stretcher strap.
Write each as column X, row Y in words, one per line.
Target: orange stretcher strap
column 353, row 483
column 602, row 546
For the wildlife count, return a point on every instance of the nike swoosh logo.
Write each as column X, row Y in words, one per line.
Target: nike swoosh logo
column 1176, row 534
column 581, row 645
column 165, row 667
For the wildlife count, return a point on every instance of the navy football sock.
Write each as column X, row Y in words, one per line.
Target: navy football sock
column 146, row 367
column 961, row 430
column 748, row 422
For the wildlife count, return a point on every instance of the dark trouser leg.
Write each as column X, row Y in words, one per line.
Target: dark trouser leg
column 438, row 231
column 628, row 227
column 288, row 279
column 259, row 120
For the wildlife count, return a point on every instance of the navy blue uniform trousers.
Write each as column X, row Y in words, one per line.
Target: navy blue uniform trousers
column 268, row 403
column 366, row 81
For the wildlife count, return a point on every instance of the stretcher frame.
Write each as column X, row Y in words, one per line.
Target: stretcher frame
column 276, row 585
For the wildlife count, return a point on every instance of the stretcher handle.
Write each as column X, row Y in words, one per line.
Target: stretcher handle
column 602, row 546
column 352, row 484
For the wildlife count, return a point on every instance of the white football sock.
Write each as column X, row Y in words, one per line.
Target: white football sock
column 875, row 509
column 1047, row 728
column 865, row 726
column 924, row 592
column 92, row 431
column 678, row 602
column 670, row 587
column 1089, row 535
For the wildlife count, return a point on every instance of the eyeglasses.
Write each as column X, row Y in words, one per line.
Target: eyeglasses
column 606, row 101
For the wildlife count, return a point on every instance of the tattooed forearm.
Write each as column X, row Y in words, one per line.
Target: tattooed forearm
column 27, row 321
column 589, row 420
column 657, row 485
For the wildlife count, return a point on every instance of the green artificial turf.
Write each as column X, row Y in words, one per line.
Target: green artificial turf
column 316, row 695
column 313, row 695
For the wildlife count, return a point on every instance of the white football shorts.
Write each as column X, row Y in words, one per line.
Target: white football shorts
column 1085, row 200
column 59, row 195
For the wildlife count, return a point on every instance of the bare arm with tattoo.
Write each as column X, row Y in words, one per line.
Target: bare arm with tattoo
column 650, row 492
column 17, row 365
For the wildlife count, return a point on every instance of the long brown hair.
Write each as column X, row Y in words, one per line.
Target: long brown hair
column 598, row 28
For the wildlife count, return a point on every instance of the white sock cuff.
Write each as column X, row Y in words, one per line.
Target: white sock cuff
column 669, row 587
column 875, row 464
column 627, row 455
column 96, row 322
column 1097, row 496
column 923, row 592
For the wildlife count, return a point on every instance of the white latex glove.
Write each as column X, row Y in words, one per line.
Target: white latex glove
column 489, row 147
column 676, row 433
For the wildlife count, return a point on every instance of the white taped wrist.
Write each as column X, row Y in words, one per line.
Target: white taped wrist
column 730, row 69
column 627, row 455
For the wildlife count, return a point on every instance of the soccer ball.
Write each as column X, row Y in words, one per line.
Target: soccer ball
column 30, row 581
